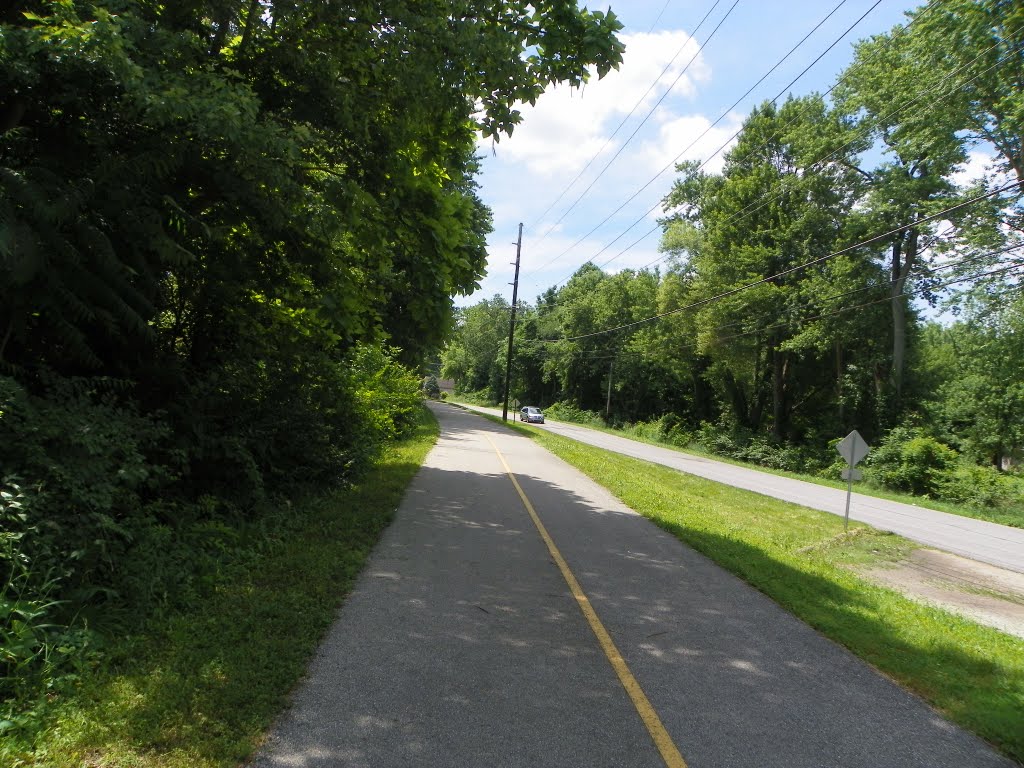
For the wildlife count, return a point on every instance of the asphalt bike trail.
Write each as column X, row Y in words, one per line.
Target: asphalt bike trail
column 516, row 614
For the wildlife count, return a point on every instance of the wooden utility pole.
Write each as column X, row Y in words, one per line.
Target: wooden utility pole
column 512, row 324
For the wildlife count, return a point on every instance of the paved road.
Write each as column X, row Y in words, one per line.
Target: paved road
column 980, row 540
column 463, row 644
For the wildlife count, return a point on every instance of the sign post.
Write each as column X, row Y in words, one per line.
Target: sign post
column 853, row 448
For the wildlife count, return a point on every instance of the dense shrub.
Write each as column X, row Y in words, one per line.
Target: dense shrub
column 480, row 397
column 430, row 387
column 721, row 439
column 41, row 644
column 741, row 445
column 645, row 430
column 787, row 457
column 386, row 392
column 667, row 429
column 981, row 487
column 87, row 456
column 566, row 411
column 909, row 460
column 111, row 516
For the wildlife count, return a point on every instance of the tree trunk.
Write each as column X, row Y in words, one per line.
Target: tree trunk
column 250, row 26
column 738, row 399
column 760, row 401
column 778, row 394
column 904, row 257
column 839, row 383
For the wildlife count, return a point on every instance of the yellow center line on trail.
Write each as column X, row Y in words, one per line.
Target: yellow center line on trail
column 669, row 753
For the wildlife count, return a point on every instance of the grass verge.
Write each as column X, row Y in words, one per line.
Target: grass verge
column 1004, row 516
column 200, row 689
column 801, row 559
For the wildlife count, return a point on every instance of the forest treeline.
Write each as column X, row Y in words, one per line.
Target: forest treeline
column 800, row 289
column 230, row 231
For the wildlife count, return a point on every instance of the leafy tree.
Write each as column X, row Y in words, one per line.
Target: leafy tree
column 172, row 160
column 979, row 43
column 592, row 301
column 978, row 403
column 919, row 93
column 772, row 209
column 475, row 356
column 228, row 229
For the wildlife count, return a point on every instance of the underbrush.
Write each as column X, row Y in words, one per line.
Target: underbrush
column 113, row 517
column 199, row 684
column 668, row 429
column 569, row 412
column 482, row 398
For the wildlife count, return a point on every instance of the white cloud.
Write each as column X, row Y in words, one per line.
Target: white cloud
column 567, row 127
column 978, row 166
column 982, row 164
column 691, row 137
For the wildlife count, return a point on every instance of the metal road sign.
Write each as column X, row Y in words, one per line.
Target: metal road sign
column 853, row 448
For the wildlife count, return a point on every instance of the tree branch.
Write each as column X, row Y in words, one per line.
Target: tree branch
column 250, row 21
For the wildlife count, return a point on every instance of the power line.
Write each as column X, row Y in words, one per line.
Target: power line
column 637, row 129
column 658, row 17
column 755, row 207
column 938, row 268
column 970, row 259
column 721, row 117
column 805, row 265
column 762, row 203
column 1014, row 269
column 869, row 127
column 1004, row 270
column 639, row 101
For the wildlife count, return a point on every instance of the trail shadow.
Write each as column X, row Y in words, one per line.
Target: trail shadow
column 461, row 645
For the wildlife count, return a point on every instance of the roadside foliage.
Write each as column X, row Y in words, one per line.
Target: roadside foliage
column 230, row 234
column 839, row 273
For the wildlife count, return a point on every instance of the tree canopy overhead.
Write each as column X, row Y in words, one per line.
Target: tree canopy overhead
column 227, row 230
column 316, row 152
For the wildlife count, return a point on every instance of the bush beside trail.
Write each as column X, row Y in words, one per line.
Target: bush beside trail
column 111, row 518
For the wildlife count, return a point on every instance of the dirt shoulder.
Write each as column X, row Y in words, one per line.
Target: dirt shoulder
column 984, row 593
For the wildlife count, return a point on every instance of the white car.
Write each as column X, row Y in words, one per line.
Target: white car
column 531, row 414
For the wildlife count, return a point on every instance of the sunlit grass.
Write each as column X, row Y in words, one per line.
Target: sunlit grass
column 801, row 559
column 1012, row 516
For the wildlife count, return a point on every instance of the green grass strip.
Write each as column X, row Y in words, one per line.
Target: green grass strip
column 201, row 689
column 800, row 558
column 1012, row 516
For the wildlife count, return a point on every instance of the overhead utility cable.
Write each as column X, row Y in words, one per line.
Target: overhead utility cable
column 991, row 273
column 805, row 265
column 658, row 17
column 606, row 354
column 646, row 117
column 755, row 207
column 721, row 117
column 622, row 123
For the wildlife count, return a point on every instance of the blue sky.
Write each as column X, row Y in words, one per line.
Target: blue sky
column 522, row 175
